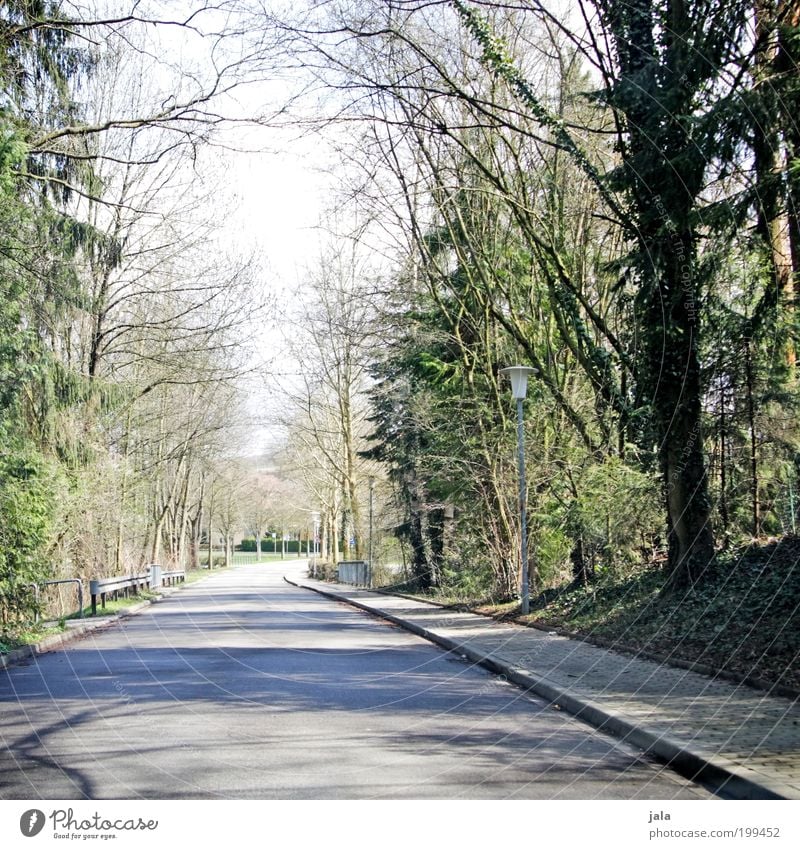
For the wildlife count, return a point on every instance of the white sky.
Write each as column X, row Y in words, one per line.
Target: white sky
column 280, row 195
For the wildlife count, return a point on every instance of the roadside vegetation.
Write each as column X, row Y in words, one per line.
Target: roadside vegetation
column 28, row 636
column 124, row 319
column 506, row 193
column 740, row 619
column 529, row 163
column 36, row 633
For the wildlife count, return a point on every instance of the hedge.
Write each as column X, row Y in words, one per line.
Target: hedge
column 269, row 545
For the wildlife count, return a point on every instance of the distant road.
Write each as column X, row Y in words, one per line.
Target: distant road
column 241, row 687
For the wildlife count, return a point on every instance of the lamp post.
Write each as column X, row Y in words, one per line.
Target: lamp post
column 519, row 388
column 315, row 519
column 369, row 549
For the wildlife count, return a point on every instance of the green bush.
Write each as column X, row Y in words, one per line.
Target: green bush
column 467, row 579
column 218, row 560
column 26, row 505
column 618, row 515
column 325, row 571
column 293, row 546
column 383, row 576
column 550, row 549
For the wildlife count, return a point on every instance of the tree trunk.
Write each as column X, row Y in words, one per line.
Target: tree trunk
column 580, row 570
column 211, row 531
column 335, row 537
column 420, row 564
column 657, row 145
column 723, row 468
column 787, row 63
column 751, row 422
column 675, row 376
column 772, row 223
column 324, row 527
column 183, row 521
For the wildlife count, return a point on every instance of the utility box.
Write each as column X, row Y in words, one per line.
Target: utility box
column 355, row 572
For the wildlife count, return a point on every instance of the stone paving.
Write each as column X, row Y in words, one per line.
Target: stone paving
column 742, row 740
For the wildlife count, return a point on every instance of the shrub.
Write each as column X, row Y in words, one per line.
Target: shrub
column 26, row 504
column 384, row 576
column 293, row 546
column 218, row 560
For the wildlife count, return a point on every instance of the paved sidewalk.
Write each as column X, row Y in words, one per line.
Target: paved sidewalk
column 738, row 739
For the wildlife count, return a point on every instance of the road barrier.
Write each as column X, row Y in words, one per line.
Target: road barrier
column 176, row 576
column 102, row 587
column 154, row 578
column 126, row 585
column 354, row 572
column 37, row 590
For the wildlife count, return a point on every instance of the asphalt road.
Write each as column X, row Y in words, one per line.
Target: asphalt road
column 244, row 687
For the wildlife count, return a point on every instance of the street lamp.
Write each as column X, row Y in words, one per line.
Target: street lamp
column 369, row 552
column 315, row 519
column 519, row 388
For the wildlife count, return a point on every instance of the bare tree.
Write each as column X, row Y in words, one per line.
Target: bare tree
column 332, row 346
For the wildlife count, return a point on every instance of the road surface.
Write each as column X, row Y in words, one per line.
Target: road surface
column 241, row 686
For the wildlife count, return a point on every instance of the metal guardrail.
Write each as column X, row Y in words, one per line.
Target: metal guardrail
column 103, row 587
column 130, row 584
column 175, row 576
column 356, row 572
column 160, row 576
column 37, row 588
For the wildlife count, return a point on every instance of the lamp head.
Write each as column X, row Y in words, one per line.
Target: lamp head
column 519, row 379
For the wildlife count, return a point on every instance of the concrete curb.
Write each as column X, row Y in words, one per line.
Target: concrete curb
column 722, row 775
